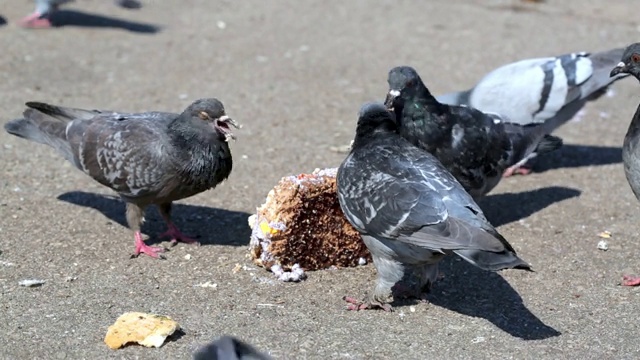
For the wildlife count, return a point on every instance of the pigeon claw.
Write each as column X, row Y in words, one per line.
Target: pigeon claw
column 357, row 305
column 522, row 170
column 177, row 236
column 142, row 248
column 35, row 21
column 630, row 280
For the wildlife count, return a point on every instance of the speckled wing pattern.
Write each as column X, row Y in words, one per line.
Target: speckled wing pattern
column 411, row 198
column 125, row 152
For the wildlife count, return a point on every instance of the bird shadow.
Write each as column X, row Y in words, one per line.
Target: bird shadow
column 468, row 290
column 76, row 18
column 572, row 156
column 209, row 225
column 501, row 209
column 3, row 21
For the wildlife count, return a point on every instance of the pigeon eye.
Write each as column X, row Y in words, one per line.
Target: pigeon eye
column 635, row 57
column 203, row 115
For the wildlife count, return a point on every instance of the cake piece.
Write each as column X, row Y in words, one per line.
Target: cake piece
column 301, row 227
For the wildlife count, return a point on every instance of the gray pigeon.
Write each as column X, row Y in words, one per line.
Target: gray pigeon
column 228, row 348
column 147, row 158
column 630, row 64
column 40, row 18
column 477, row 148
column 411, row 212
column 547, row 90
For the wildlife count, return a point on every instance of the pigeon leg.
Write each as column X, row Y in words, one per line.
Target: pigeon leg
column 35, row 21
column 630, row 280
column 355, row 304
column 134, row 219
column 173, row 232
column 521, row 170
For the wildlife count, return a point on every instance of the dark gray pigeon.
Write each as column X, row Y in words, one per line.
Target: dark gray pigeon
column 411, row 211
column 147, row 158
column 476, row 147
column 40, row 17
column 229, row 348
column 630, row 64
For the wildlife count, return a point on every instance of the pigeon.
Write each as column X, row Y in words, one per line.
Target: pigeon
column 630, row 64
column 549, row 90
column 40, row 17
column 228, row 348
column 410, row 212
column 476, row 147
column 147, row 158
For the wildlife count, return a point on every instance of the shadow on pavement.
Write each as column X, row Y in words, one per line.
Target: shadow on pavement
column 501, row 209
column 468, row 290
column 77, row 18
column 210, row 226
column 3, row 21
column 571, row 156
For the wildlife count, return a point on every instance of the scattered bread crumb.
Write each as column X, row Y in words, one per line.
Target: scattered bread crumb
column 148, row 330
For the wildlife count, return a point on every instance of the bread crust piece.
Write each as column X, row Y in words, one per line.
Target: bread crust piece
column 301, row 224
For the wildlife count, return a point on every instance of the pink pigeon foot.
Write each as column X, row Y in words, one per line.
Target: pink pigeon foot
column 35, row 21
column 177, row 236
column 142, row 248
column 522, row 170
column 630, row 280
column 356, row 305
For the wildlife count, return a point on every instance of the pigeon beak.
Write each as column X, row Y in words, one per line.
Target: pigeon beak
column 619, row 69
column 227, row 119
column 221, row 124
column 391, row 97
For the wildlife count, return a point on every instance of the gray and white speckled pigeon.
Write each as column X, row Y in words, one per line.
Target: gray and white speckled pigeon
column 44, row 8
column 547, row 90
column 147, row 158
column 411, row 211
column 476, row 147
column 630, row 64
column 229, row 348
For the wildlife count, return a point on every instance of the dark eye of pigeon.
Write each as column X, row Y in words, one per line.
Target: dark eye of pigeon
column 635, row 58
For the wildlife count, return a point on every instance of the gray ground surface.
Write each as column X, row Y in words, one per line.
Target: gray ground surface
column 295, row 75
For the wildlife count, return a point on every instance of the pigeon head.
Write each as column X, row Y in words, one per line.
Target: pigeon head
column 212, row 112
column 630, row 63
column 403, row 81
column 374, row 117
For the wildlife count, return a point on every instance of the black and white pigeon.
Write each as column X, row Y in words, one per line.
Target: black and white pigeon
column 630, row 64
column 147, row 158
column 229, row 348
column 411, row 211
column 40, row 17
column 549, row 90
column 476, row 147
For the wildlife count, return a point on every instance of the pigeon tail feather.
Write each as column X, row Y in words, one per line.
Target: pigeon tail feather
column 43, row 130
column 493, row 261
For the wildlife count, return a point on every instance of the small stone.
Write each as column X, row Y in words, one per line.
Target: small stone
column 603, row 245
column 221, row 25
column 31, row 283
column 187, row 257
